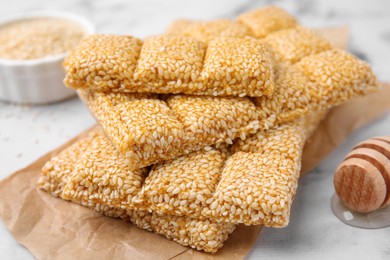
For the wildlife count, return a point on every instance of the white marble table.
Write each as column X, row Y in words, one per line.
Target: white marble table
column 28, row 132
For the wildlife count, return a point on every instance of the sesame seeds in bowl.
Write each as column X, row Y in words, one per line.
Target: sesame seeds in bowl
column 33, row 47
column 36, row 38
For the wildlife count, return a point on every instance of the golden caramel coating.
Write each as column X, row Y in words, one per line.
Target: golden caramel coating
column 183, row 186
column 205, row 235
column 100, row 170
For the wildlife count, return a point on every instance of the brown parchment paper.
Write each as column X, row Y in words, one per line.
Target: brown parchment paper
column 55, row 229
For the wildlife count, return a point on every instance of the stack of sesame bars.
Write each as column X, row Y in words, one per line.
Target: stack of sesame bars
column 201, row 129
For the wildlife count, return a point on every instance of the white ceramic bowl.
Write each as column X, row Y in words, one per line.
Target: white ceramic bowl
column 38, row 81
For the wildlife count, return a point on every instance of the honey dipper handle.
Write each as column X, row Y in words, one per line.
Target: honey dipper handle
column 362, row 181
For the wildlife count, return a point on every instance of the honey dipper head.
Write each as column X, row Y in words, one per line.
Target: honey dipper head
column 362, row 181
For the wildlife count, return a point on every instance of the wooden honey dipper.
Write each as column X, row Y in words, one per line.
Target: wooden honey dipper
column 362, row 181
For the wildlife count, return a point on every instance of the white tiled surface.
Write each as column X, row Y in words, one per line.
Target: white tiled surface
column 314, row 233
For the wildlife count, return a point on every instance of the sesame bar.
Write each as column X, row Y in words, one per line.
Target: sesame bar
column 241, row 66
column 56, row 172
column 172, row 64
column 207, row 31
column 101, row 171
column 185, row 185
column 291, row 45
column 264, row 21
column 206, row 235
column 338, row 76
column 254, row 185
column 146, row 129
column 199, row 234
column 259, row 182
column 291, row 100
